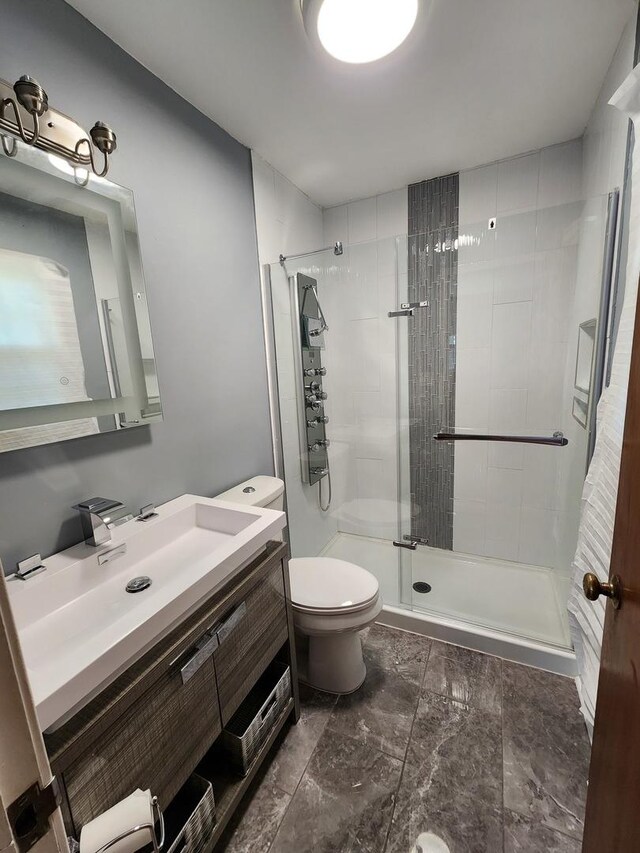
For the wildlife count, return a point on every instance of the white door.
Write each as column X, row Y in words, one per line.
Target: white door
column 23, row 758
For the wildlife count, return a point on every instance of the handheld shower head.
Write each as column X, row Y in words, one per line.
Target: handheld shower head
column 337, row 248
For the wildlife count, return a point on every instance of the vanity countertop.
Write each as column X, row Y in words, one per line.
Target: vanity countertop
column 79, row 628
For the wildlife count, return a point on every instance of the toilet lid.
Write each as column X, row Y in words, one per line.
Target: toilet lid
column 324, row 583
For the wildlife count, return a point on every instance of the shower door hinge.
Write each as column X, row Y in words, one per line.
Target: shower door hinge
column 29, row 814
column 423, row 304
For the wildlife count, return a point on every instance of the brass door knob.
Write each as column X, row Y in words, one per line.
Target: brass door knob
column 593, row 588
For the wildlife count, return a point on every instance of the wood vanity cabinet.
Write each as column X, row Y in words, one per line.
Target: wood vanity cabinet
column 153, row 725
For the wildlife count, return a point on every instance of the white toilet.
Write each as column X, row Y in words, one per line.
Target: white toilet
column 332, row 602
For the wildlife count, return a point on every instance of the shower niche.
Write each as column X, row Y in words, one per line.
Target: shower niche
column 310, row 373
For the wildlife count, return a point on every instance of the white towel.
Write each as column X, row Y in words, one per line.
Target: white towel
column 595, row 535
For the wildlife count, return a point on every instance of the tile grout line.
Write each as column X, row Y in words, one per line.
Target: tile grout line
column 404, row 761
column 295, row 790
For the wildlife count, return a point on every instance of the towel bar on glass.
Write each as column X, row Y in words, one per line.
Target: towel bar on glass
column 555, row 440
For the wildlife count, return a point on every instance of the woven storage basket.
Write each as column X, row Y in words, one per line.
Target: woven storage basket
column 191, row 817
column 252, row 723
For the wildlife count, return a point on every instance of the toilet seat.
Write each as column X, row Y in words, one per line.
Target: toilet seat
column 329, row 587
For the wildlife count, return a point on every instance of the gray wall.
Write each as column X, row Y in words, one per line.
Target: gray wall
column 194, row 201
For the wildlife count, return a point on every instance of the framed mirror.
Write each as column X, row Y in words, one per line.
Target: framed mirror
column 76, row 353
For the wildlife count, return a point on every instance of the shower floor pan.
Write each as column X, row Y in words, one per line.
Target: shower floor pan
column 498, row 607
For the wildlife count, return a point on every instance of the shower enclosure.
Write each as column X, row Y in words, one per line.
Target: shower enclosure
column 461, row 363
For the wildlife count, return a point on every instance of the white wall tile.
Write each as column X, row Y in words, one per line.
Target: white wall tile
column 474, row 306
column 518, row 182
column 470, row 471
column 476, row 243
column 361, row 291
column 540, row 477
column 507, row 410
column 503, row 528
column 472, row 388
column 546, row 384
column 510, row 345
column 554, row 287
column 506, row 455
column 513, row 279
column 502, row 549
column 478, row 194
column 335, row 222
column 538, row 536
column 504, row 486
column 387, row 256
column 516, row 234
column 559, row 226
column 560, row 174
column 392, row 213
column 469, row 527
column 362, row 220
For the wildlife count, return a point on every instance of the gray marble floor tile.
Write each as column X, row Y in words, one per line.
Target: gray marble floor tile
column 255, row 827
column 381, row 712
column 397, row 651
column 524, row 836
column 465, row 676
column 458, row 746
column 344, row 802
column 292, row 755
column 546, row 749
column 428, row 809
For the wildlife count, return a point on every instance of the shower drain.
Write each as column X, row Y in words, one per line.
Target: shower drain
column 422, row 586
column 138, row 584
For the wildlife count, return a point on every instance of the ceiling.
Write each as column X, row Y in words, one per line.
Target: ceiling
column 476, row 81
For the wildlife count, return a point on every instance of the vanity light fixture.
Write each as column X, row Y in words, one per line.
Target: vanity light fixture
column 359, row 31
column 27, row 103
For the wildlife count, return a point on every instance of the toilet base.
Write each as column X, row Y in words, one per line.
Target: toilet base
column 335, row 663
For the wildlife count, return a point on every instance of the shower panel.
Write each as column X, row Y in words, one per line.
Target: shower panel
column 308, row 344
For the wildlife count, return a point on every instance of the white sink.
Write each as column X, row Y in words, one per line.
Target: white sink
column 80, row 628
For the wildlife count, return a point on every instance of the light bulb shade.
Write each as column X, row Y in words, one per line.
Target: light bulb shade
column 359, row 31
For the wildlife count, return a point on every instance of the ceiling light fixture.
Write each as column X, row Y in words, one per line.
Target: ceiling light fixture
column 359, row 31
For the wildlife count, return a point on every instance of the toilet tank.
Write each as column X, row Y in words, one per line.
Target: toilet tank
column 258, row 491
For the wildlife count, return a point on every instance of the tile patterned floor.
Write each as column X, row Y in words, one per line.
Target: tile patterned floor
column 485, row 755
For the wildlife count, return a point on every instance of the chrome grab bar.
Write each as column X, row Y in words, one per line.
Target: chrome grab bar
column 555, row 440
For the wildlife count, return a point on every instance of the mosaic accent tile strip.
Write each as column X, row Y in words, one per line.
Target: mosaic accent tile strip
column 433, row 275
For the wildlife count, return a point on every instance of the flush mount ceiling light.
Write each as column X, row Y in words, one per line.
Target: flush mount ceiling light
column 359, row 31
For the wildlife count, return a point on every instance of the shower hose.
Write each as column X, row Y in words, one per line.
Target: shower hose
column 324, row 508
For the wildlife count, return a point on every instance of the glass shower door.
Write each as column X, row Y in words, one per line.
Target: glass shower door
column 506, row 349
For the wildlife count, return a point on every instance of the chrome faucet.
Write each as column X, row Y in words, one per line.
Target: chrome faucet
column 98, row 515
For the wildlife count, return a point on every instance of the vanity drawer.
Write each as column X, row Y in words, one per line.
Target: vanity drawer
column 250, row 634
column 155, row 745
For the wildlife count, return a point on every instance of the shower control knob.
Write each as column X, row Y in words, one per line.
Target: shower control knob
column 313, row 422
column 314, row 387
column 312, row 403
column 315, row 371
column 324, row 442
column 314, row 448
column 315, row 399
